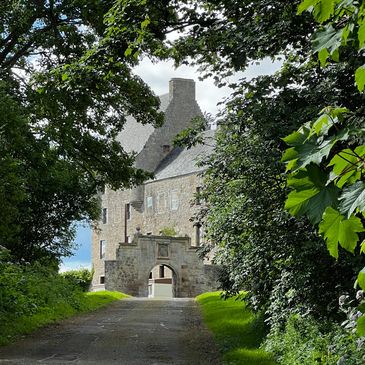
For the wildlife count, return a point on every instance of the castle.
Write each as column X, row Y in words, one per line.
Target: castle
column 146, row 243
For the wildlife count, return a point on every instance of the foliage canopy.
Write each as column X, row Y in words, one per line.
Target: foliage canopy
column 65, row 91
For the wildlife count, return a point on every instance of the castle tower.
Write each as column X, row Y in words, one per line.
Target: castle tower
column 164, row 202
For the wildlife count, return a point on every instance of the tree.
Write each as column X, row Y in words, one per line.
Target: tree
column 65, row 91
column 333, row 145
column 262, row 248
column 223, row 37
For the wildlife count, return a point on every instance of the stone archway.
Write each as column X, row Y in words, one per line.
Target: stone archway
column 128, row 272
column 162, row 281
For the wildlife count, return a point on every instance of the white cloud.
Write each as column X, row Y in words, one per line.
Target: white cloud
column 74, row 265
column 157, row 76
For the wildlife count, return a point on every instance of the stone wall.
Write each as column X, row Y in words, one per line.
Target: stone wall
column 129, row 273
column 172, row 206
column 156, row 205
column 166, row 195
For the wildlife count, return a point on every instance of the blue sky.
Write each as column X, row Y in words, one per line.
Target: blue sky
column 157, row 76
column 82, row 257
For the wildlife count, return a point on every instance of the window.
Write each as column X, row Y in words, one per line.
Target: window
column 102, row 248
column 128, row 211
column 102, row 280
column 151, row 275
column 162, row 271
column 174, row 204
column 104, row 215
column 149, row 202
column 161, row 202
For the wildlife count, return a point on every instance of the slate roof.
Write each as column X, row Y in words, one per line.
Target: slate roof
column 182, row 161
column 135, row 135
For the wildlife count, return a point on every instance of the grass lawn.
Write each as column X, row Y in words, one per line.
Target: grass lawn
column 13, row 327
column 237, row 331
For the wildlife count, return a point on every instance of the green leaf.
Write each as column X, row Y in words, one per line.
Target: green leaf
column 336, row 229
column 361, row 32
column 128, row 52
column 311, row 196
column 362, row 247
column 313, row 149
column 306, row 5
column 322, row 56
column 360, row 78
column 289, row 154
column 296, row 138
column 361, row 279
column 360, row 329
column 353, row 198
column 145, row 23
column 329, row 39
column 346, row 32
column 312, row 152
column 324, row 10
column 335, row 55
column 346, row 165
column 322, row 124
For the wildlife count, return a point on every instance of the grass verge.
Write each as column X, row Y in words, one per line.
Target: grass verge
column 237, row 331
column 13, row 327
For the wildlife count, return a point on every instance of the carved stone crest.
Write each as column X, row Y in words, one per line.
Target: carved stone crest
column 163, row 250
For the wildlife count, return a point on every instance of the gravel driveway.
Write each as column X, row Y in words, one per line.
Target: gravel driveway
column 130, row 332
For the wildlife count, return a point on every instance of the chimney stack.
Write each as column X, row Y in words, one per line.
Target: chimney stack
column 182, row 89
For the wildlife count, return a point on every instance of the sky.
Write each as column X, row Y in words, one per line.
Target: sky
column 157, row 76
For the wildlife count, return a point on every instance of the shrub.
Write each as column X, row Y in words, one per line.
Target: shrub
column 168, row 231
column 306, row 341
column 81, row 278
column 27, row 289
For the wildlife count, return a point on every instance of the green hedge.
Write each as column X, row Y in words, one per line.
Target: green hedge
column 34, row 295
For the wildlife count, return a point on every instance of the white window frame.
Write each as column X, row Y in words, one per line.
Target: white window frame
column 174, row 200
column 149, row 202
column 102, row 249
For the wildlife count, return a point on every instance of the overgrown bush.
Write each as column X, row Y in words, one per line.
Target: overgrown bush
column 81, row 278
column 28, row 289
column 306, row 341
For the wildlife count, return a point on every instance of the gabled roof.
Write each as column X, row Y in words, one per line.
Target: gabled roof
column 183, row 161
column 135, row 135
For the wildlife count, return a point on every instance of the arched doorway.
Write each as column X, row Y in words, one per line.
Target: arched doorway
column 162, row 282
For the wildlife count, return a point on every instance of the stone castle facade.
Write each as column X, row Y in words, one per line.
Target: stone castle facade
column 136, row 223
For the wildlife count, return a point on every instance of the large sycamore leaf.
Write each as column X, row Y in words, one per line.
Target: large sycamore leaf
column 347, row 166
column 329, row 39
column 336, row 229
column 324, row 10
column 308, row 149
column 353, row 198
column 311, row 196
column 306, row 5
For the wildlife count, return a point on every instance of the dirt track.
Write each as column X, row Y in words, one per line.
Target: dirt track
column 130, row 332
